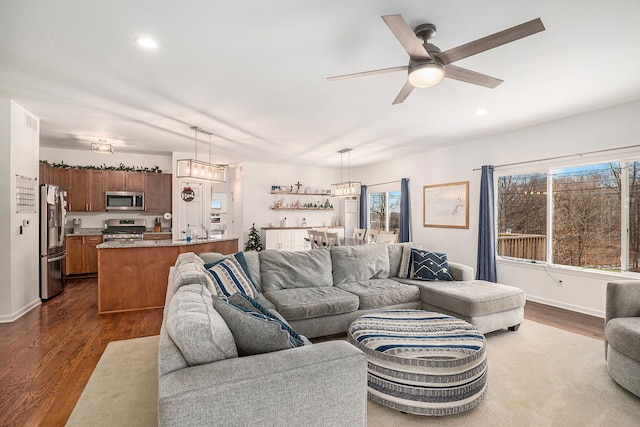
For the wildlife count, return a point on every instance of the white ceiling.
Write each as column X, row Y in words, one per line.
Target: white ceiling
column 254, row 72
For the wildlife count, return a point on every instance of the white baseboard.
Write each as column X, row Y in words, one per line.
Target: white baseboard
column 559, row 304
column 18, row 314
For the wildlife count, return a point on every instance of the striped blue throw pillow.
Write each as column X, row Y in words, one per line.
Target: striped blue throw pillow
column 427, row 265
column 229, row 277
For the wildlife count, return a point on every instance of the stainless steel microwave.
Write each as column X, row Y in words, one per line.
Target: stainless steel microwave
column 124, row 200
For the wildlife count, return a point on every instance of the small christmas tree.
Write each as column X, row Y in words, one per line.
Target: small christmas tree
column 253, row 244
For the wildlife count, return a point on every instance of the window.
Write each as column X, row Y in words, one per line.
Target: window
column 572, row 216
column 384, row 211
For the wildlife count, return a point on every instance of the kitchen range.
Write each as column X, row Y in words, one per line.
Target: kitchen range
column 124, row 230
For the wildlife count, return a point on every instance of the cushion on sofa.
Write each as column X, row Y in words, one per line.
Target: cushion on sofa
column 357, row 263
column 229, row 277
column 377, row 293
column 404, row 269
column 254, row 329
column 286, row 270
column 306, row 303
column 196, row 328
column 622, row 333
column 187, row 273
column 188, row 257
column 470, row 298
column 253, row 267
column 427, row 265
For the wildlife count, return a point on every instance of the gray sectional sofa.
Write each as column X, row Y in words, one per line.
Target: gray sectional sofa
column 319, row 292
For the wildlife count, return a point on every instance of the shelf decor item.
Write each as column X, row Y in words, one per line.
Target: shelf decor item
column 253, row 244
column 187, row 194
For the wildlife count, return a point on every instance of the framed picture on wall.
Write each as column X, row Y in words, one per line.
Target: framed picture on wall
column 446, row 205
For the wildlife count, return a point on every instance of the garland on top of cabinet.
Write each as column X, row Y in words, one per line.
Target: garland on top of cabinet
column 104, row 167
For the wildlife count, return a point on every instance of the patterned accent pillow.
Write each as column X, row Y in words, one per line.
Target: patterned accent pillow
column 405, row 262
column 427, row 265
column 241, row 259
column 255, row 329
column 229, row 278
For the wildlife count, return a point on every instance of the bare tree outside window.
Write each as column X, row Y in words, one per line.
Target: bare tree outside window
column 381, row 206
column 586, row 219
column 522, row 216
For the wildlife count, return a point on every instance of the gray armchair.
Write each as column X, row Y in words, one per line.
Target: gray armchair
column 622, row 333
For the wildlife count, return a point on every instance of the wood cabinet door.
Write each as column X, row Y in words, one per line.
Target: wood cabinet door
column 76, row 193
column 135, row 181
column 91, row 253
column 75, row 255
column 95, row 194
column 45, row 173
column 114, row 180
column 163, row 236
column 157, row 195
column 60, row 177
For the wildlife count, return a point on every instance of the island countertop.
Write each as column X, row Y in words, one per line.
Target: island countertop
column 114, row 244
column 134, row 275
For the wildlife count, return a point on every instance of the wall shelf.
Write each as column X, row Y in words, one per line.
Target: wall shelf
column 300, row 194
column 301, row 209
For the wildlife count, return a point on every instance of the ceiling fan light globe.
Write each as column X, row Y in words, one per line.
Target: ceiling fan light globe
column 426, row 75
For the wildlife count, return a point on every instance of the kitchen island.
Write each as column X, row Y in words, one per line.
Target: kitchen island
column 134, row 275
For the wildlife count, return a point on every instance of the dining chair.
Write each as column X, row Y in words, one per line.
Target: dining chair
column 386, row 237
column 318, row 239
column 371, row 235
column 333, row 239
column 359, row 233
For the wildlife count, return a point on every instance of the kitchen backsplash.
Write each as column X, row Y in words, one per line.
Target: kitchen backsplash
column 96, row 220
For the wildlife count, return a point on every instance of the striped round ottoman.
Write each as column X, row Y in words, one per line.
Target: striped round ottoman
column 422, row 362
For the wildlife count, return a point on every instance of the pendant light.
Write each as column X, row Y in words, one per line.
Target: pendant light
column 345, row 188
column 197, row 169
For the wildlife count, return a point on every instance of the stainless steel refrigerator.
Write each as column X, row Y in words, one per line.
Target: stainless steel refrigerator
column 52, row 242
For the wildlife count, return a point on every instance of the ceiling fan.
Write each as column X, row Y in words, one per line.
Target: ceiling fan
column 428, row 65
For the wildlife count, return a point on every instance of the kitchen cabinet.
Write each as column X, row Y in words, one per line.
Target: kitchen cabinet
column 124, row 181
column 157, row 236
column 291, row 239
column 157, row 196
column 82, row 254
column 54, row 176
column 135, row 278
column 85, row 192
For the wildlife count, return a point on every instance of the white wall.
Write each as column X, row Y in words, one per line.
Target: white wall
column 19, row 260
column 608, row 128
column 88, row 158
column 257, row 179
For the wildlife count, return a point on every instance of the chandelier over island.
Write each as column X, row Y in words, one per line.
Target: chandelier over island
column 198, row 169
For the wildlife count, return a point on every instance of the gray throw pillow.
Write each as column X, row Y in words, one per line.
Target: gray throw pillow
column 254, row 328
column 197, row 329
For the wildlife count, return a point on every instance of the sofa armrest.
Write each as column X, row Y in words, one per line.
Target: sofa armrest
column 322, row 384
column 461, row 271
column 623, row 299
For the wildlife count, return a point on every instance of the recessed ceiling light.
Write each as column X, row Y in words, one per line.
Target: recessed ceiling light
column 481, row 112
column 147, row 42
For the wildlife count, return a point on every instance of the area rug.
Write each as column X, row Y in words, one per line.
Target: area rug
column 538, row 376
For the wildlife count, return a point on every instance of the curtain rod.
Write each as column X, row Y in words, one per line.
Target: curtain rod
column 383, row 183
column 562, row 157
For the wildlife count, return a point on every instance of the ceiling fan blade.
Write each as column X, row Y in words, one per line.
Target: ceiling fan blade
column 468, row 76
column 405, row 36
column 404, row 93
column 369, row 73
column 489, row 42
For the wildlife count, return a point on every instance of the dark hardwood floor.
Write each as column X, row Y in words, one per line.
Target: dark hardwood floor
column 48, row 355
